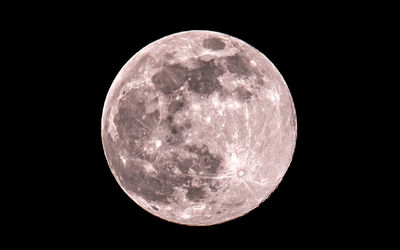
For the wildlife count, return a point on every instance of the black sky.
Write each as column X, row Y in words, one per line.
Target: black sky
column 77, row 52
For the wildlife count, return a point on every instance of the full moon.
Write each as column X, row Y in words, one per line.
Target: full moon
column 199, row 128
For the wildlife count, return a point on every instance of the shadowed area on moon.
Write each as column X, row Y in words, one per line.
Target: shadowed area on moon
column 155, row 175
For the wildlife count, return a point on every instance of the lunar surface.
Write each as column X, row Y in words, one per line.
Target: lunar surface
column 199, row 128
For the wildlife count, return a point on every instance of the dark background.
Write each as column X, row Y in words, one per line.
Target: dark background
column 75, row 52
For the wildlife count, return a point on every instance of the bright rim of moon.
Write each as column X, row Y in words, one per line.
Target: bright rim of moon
column 199, row 128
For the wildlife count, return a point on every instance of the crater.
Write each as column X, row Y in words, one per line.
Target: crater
column 242, row 93
column 241, row 173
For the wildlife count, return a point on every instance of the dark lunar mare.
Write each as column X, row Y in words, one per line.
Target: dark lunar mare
column 169, row 78
column 176, row 105
column 195, row 193
column 213, row 43
column 203, row 164
column 239, row 65
column 134, row 125
column 203, row 80
column 206, row 160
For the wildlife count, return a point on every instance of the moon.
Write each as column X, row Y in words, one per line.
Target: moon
column 199, row 128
